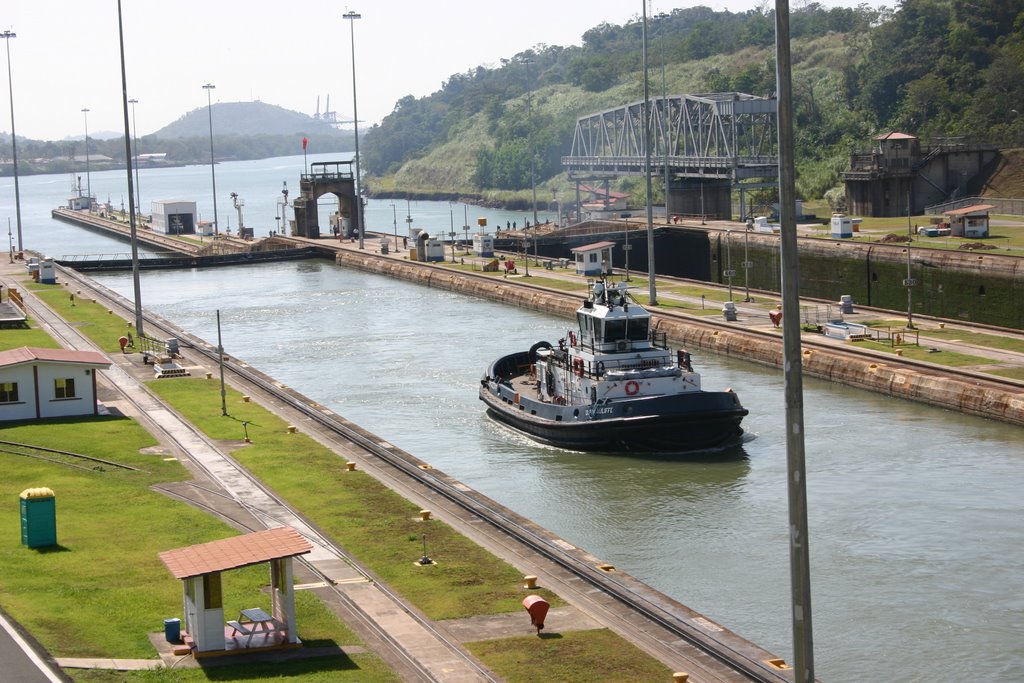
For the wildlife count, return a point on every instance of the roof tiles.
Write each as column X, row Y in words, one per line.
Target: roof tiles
column 235, row 552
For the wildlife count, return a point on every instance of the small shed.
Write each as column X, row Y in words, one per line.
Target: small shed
column 174, row 217
column 483, row 244
column 842, row 226
column 594, row 259
column 41, row 383
column 200, row 566
column 970, row 221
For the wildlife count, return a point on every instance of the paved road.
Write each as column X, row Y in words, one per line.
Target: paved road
column 24, row 661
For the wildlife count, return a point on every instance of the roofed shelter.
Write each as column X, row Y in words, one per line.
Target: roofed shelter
column 200, row 567
column 970, row 221
column 594, row 259
column 40, row 383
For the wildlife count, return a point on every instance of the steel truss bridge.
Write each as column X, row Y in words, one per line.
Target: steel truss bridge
column 722, row 136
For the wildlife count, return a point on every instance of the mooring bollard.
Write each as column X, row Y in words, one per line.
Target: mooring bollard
column 351, row 466
column 680, row 677
column 245, row 399
column 531, row 582
column 425, row 515
column 209, row 375
column 292, row 429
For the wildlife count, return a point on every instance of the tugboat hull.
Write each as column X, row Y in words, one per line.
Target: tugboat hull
column 669, row 424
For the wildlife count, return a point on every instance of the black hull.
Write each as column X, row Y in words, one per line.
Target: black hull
column 707, row 421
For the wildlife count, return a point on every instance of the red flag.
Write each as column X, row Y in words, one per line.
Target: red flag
column 305, row 141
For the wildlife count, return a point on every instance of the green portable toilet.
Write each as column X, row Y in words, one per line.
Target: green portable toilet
column 38, row 518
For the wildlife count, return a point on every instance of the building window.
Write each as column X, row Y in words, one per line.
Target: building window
column 8, row 392
column 593, row 258
column 64, row 388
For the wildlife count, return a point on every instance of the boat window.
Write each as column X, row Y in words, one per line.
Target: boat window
column 638, row 329
column 614, row 330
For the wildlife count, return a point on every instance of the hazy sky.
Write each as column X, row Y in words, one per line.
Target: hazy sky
column 66, row 58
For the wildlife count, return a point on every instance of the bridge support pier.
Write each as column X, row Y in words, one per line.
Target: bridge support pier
column 707, row 197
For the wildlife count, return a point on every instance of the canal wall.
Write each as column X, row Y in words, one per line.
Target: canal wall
column 981, row 286
column 969, row 394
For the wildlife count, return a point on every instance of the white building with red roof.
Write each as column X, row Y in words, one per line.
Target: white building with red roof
column 40, row 383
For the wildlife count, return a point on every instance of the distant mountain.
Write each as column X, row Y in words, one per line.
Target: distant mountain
column 247, row 118
column 97, row 135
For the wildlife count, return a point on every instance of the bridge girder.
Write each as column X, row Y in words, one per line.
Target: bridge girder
column 718, row 135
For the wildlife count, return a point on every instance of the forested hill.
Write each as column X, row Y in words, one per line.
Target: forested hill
column 934, row 68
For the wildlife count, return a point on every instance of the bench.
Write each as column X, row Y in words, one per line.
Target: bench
column 239, row 628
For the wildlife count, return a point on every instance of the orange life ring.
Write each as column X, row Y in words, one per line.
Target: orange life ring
column 572, row 338
column 632, row 386
column 577, row 364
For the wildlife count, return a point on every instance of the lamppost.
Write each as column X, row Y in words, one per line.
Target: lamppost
column 729, row 272
column 465, row 223
column 135, row 137
column 213, row 173
column 7, row 35
column 533, row 158
column 451, row 229
column 653, row 298
column 352, row 16
column 666, row 129
column 394, row 218
column 408, row 218
column 88, row 179
column 746, row 261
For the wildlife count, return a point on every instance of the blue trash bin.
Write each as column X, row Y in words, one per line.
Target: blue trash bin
column 172, row 630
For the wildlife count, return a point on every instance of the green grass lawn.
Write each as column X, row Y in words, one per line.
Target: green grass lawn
column 570, row 657
column 948, row 358
column 372, row 522
column 930, row 331
column 103, row 587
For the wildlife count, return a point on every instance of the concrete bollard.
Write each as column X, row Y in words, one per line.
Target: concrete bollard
column 531, row 582
column 292, row 429
column 351, row 466
column 680, row 677
column 424, row 515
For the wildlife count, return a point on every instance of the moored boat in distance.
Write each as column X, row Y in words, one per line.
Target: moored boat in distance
column 611, row 385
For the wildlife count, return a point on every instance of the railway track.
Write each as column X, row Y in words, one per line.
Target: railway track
column 725, row 650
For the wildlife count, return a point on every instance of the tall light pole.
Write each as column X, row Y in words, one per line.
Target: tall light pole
column 533, row 158
column 653, row 298
column 746, row 259
column 14, row 138
column 88, row 179
column 666, row 129
column 213, row 173
column 394, row 223
column 135, row 138
column 352, row 16
column 128, row 169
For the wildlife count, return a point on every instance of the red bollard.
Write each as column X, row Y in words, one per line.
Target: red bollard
column 538, row 609
column 123, row 341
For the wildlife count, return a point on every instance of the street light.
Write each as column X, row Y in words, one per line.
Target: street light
column 135, row 137
column 666, row 129
column 394, row 223
column 14, row 138
column 352, row 16
column 213, row 173
column 88, row 180
column 653, row 298
column 533, row 158
column 729, row 272
column 746, row 261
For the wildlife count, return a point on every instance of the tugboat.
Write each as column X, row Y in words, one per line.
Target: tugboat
column 612, row 385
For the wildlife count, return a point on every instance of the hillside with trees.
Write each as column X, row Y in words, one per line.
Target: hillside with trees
column 933, row 68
